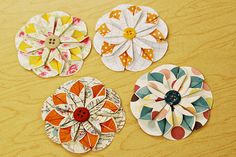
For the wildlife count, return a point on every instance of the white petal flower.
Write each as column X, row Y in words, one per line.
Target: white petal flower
column 130, row 37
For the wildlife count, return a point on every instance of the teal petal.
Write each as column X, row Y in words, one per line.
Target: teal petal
column 187, row 122
column 142, row 92
column 200, row 105
column 196, row 82
column 146, row 113
column 155, row 77
column 164, row 125
column 178, row 72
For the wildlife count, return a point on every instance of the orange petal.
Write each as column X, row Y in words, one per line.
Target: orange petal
column 157, row 35
column 59, row 98
column 76, row 88
column 107, row 48
column 115, row 14
column 147, row 54
column 54, row 118
column 152, row 18
column 64, row 134
column 110, row 105
column 134, row 9
column 103, row 29
column 98, row 90
column 89, row 140
column 108, row 126
column 125, row 59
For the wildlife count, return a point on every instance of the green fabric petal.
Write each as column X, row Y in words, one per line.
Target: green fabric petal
column 155, row 77
column 178, row 72
column 187, row 122
column 196, row 82
column 200, row 105
column 164, row 125
column 142, row 92
column 146, row 113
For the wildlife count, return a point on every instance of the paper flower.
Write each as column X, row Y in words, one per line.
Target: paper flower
column 130, row 37
column 53, row 44
column 83, row 115
column 171, row 101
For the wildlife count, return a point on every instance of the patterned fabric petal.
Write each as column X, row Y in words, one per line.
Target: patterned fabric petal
column 171, row 101
column 83, row 115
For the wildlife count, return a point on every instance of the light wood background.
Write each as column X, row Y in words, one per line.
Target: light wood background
column 202, row 34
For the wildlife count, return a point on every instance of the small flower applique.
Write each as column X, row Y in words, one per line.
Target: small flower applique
column 83, row 115
column 53, row 44
column 171, row 101
column 130, row 37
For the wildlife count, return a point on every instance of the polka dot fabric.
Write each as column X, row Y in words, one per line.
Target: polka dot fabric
column 171, row 101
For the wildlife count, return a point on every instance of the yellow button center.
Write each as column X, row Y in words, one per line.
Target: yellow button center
column 129, row 33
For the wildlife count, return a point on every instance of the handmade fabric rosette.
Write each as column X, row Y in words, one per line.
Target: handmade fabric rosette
column 171, row 101
column 83, row 115
column 53, row 44
column 130, row 37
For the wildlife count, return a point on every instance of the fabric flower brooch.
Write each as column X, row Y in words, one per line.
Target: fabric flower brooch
column 83, row 115
column 171, row 101
column 53, row 44
column 130, row 37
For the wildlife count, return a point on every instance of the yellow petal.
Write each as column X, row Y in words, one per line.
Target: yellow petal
column 209, row 102
column 66, row 19
column 46, row 17
column 78, row 35
column 74, row 52
column 35, row 61
column 56, row 65
column 30, row 29
column 74, row 57
column 23, row 46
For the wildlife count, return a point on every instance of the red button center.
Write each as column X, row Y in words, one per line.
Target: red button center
column 81, row 114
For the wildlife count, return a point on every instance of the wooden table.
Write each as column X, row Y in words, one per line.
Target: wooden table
column 202, row 34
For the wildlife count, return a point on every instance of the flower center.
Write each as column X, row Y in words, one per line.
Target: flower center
column 81, row 114
column 172, row 97
column 129, row 33
column 52, row 41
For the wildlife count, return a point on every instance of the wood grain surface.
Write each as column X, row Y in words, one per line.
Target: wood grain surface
column 202, row 34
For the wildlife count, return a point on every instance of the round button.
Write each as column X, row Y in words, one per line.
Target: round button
column 172, row 97
column 52, row 42
column 81, row 114
column 129, row 33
